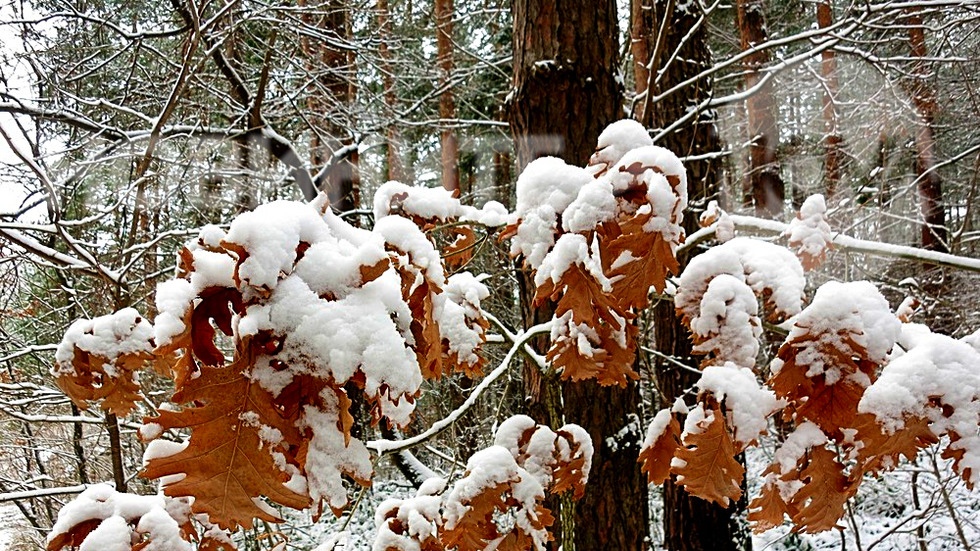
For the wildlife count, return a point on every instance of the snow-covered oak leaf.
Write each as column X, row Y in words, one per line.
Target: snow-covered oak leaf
column 809, row 233
column 936, row 386
column 498, row 502
column 727, row 325
column 746, row 403
column 660, row 446
column 705, row 464
column 98, row 360
column 615, row 141
column 462, row 324
column 772, row 272
column 101, row 517
column 241, row 448
column 641, row 260
column 832, row 353
column 882, row 450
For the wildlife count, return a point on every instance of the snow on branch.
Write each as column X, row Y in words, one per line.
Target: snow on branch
column 839, row 241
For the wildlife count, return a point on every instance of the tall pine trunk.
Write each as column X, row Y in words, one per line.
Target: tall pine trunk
column 447, row 103
column 394, row 170
column 565, row 92
column 930, row 185
column 768, row 190
column 831, row 85
column 329, row 101
column 690, row 523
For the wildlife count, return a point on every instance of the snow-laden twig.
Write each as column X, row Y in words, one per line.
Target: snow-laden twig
column 519, row 340
column 511, row 337
column 41, row 492
column 840, row 241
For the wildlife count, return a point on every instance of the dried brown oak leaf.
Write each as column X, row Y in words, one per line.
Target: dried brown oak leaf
column 882, row 450
column 96, row 378
column 458, row 253
column 768, row 509
column 651, row 260
column 831, row 406
column 705, row 464
column 819, row 504
column 227, row 463
column 578, row 291
column 656, row 458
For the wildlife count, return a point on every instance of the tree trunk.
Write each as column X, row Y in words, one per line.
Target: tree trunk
column 831, row 85
column 394, row 168
column 930, row 185
column 447, row 104
column 565, row 92
column 332, row 69
column 690, row 523
column 768, row 190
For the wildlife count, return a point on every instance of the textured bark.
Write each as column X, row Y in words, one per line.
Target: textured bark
column 115, row 452
column 930, row 185
column 690, row 523
column 447, row 103
column 831, row 86
column 768, row 190
column 565, row 92
column 332, row 145
column 394, row 168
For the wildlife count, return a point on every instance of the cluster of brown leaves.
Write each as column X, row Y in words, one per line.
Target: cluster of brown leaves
column 141, row 535
column 230, row 461
column 634, row 259
column 246, row 442
column 507, row 480
column 821, row 373
column 702, row 460
column 817, row 504
column 89, row 380
column 106, row 373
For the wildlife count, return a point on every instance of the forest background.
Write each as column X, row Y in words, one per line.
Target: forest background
column 129, row 126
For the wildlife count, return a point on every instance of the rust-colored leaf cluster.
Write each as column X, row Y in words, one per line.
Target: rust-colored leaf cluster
column 142, row 523
column 626, row 226
column 498, row 503
column 98, row 360
column 825, row 373
column 265, row 331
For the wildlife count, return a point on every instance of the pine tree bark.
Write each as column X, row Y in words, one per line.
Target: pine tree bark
column 447, row 103
column 768, row 190
column 565, row 92
column 394, row 170
column 831, row 86
column 690, row 523
column 328, row 103
column 934, row 235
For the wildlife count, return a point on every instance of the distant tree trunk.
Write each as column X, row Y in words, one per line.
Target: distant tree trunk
column 447, row 103
column 930, row 185
column 565, row 92
column 329, row 100
column 393, row 162
column 690, row 523
column 501, row 173
column 768, row 190
column 831, row 86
